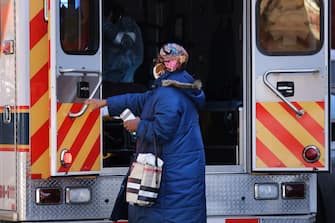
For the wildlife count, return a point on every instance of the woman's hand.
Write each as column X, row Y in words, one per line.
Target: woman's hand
column 96, row 103
column 131, row 125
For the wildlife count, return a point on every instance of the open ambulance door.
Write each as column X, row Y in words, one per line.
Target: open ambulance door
column 75, row 73
column 289, row 79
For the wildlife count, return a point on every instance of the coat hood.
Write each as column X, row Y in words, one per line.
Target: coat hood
column 185, row 83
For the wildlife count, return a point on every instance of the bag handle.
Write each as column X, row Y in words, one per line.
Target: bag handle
column 155, row 150
column 154, row 139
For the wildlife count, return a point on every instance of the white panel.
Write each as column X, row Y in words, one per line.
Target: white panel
column 7, row 92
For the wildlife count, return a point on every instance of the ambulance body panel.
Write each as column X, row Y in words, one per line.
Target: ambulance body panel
column 265, row 125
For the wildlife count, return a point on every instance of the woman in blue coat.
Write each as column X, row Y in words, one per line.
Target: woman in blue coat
column 170, row 111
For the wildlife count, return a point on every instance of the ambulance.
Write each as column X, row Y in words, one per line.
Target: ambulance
column 264, row 65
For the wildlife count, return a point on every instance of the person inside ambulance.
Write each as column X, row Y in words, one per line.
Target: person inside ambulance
column 170, row 111
column 122, row 44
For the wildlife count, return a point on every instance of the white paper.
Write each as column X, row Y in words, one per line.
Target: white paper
column 127, row 115
column 104, row 111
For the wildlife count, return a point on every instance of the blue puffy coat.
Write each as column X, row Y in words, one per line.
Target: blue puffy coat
column 172, row 113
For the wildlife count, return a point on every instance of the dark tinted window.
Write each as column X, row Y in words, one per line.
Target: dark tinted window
column 79, row 26
column 287, row 27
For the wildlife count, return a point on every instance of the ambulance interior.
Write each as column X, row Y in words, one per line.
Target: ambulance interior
column 211, row 31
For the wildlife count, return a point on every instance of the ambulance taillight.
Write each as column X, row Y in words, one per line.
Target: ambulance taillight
column 311, row 154
column 293, row 190
column 66, row 158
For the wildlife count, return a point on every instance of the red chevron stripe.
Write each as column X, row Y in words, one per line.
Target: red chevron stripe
column 40, row 142
column 40, row 28
column 66, row 125
column 39, row 84
column 92, row 156
column 307, row 122
column 78, row 142
column 267, row 156
column 321, row 104
column 282, row 134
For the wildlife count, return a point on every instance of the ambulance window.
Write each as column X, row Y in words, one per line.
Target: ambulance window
column 79, row 26
column 287, row 27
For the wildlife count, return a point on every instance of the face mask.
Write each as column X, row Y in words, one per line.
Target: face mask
column 171, row 65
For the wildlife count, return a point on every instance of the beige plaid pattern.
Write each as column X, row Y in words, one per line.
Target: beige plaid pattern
column 143, row 184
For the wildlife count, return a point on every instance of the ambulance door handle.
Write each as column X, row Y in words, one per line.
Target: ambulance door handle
column 46, row 8
column 280, row 95
column 84, row 108
column 82, row 73
column 7, row 114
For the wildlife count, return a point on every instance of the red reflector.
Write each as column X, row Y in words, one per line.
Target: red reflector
column 245, row 220
column 293, row 190
column 66, row 158
column 8, row 46
column 311, row 154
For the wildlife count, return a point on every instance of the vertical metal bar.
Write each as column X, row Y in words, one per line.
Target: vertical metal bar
column 46, row 10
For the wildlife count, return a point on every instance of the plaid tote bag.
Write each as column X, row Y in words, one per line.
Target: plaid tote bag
column 144, row 179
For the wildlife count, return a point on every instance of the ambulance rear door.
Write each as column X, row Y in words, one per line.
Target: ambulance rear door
column 289, row 82
column 75, row 73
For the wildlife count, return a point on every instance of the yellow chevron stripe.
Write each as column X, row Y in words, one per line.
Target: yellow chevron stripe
column 88, row 144
column 72, row 133
column 40, row 165
column 260, row 163
column 97, row 164
column 35, row 7
column 62, row 114
column 314, row 110
column 293, row 127
column 39, row 54
column 40, row 113
column 276, row 147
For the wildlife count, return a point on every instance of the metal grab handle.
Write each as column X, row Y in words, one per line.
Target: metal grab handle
column 84, row 73
column 282, row 97
column 7, row 114
column 46, row 12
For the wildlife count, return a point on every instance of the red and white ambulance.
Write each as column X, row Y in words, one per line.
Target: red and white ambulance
column 265, row 71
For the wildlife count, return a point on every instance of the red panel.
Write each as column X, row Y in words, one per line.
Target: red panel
column 246, row 220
